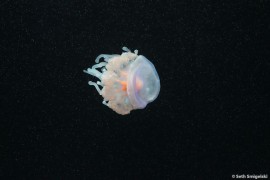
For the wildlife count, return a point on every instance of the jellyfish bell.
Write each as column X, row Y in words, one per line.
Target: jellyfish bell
column 129, row 81
column 143, row 82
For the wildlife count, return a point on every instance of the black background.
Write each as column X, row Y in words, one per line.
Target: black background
column 211, row 119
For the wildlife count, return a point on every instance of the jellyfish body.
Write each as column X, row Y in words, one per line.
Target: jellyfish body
column 129, row 81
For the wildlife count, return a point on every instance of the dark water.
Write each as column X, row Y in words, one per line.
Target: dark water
column 210, row 121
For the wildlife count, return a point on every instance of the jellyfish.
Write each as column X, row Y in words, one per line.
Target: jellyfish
column 129, row 81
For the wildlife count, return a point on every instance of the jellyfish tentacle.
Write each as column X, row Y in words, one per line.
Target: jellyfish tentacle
column 103, row 69
column 99, row 57
column 106, row 57
column 96, row 86
column 126, row 49
column 105, row 103
column 100, row 83
column 102, row 64
column 93, row 72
